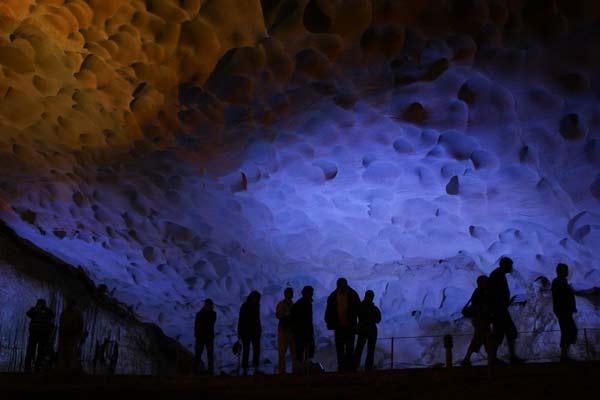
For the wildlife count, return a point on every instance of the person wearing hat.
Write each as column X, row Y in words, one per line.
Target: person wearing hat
column 204, row 330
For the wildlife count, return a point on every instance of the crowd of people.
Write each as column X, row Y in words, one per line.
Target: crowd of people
column 353, row 322
column 39, row 354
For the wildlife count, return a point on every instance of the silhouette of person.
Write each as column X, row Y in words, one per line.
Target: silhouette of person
column 41, row 327
column 250, row 330
column 502, row 323
column 368, row 318
column 70, row 334
column 302, row 327
column 481, row 320
column 285, row 340
column 204, row 331
column 563, row 301
column 341, row 317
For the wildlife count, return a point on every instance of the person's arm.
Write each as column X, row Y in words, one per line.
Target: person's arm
column 240, row 324
column 328, row 312
column 377, row 315
column 258, row 323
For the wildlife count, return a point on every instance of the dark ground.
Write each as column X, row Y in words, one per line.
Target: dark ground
column 533, row 381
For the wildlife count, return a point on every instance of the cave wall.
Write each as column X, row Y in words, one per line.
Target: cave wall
column 28, row 274
column 193, row 149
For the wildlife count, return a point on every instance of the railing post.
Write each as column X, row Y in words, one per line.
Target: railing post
column 392, row 354
column 587, row 344
column 448, row 344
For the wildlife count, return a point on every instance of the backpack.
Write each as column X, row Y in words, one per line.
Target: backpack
column 468, row 311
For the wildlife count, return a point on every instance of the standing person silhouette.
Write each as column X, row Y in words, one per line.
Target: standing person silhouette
column 341, row 317
column 70, row 334
column 250, row 330
column 41, row 327
column 285, row 339
column 204, row 331
column 563, row 301
column 500, row 300
column 369, row 316
column 303, row 329
column 481, row 320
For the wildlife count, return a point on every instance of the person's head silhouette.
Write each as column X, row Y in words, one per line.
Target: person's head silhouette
column 288, row 293
column 342, row 285
column 209, row 304
column 254, row 297
column 40, row 303
column 506, row 264
column 369, row 296
column 307, row 292
column 562, row 270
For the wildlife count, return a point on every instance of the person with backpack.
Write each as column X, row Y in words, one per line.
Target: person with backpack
column 341, row 316
column 478, row 310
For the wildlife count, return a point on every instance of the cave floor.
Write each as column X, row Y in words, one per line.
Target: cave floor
column 529, row 381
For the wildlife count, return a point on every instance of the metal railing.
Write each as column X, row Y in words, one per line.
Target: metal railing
column 392, row 352
column 532, row 346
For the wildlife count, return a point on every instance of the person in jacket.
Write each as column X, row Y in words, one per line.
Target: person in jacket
column 481, row 320
column 285, row 340
column 563, row 302
column 250, row 330
column 341, row 316
column 204, row 331
column 369, row 316
column 70, row 335
column 500, row 300
column 302, row 327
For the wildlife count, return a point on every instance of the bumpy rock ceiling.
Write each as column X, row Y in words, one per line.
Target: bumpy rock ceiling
column 178, row 150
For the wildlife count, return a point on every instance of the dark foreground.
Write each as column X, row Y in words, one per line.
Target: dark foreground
column 533, row 381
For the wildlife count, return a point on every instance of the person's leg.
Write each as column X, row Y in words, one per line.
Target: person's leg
column 350, row 337
column 210, row 355
column 300, row 352
column 497, row 336
column 360, row 345
column 350, row 343
column 292, row 346
column 245, row 354
column 282, row 347
column 32, row 344
column 568, row 334
column 511, row 338
column 43, row 349
column 475, row 344
column 339, row 349
column 199, row 350
column 486, row 337
column 563, row 338
column 256, row 353
column 371, row 341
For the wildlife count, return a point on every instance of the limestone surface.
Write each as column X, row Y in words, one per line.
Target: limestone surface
column 179, row 150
